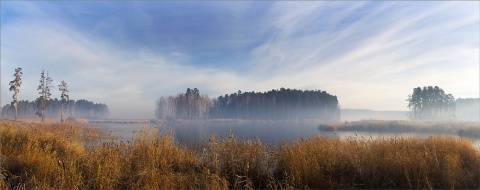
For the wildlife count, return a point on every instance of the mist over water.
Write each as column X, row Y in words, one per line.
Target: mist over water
column 270, row 133
column 199, row 133
column 364, row 114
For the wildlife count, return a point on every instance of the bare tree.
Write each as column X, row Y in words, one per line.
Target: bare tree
column 15, row 87
column 64, row 89
column 44, row 88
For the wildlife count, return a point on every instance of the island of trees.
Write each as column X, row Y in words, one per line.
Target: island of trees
column 431, row 103
column 282, row 104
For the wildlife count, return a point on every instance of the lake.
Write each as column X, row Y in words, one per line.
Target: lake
column 270, row 133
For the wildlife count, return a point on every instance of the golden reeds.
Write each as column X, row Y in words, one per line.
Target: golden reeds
column 56, row 156
column 434, row 162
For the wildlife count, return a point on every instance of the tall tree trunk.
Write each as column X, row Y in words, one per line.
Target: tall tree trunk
column 16, row 106
column 61, row 114
column 44, row 104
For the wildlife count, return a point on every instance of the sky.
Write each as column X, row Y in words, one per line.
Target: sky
column 370, row 54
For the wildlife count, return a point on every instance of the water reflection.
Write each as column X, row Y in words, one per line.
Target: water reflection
column 199, row 133
column 271, row 133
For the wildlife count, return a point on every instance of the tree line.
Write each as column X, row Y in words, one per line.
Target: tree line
column 44, row 105
column 72, row 108
column 282, row 104
column 188, row 105
column 431, row 103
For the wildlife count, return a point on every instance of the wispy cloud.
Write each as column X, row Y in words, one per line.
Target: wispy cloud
column 369, row 54
column 377, row 59
column 101, row 72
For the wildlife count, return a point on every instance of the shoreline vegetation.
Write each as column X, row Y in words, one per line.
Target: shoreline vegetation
column 460, row 128
column 56, row 156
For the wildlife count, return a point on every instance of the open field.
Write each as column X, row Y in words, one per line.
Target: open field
column 55, row 156
column 466, row 129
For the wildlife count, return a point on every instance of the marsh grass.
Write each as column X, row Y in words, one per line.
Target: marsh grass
column 462, row 128
column 54, row 156
column 244, row 164
column 406, row 163
column 49, row 157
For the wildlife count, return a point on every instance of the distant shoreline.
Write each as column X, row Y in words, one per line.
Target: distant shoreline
column 122, row 121
column 185, row 121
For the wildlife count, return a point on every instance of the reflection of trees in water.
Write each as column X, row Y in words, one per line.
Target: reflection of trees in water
column 198, row 133
column 189, row 135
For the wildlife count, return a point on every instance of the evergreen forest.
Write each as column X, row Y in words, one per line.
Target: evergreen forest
column 281, row 104
column 73, row 108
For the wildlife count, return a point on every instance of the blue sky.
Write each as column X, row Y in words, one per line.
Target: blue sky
column 127, row 54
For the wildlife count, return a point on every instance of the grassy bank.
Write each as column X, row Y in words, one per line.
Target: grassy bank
column 466, row 129
column 54, row 156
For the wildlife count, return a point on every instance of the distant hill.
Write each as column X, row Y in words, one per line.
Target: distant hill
column 364, row 114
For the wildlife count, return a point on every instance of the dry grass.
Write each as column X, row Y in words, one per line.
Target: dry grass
column 54, row 156
column 405, row 163
column 45, row 157
column 244, row 164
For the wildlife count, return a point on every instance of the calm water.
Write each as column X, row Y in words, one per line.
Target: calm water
column 199, row 134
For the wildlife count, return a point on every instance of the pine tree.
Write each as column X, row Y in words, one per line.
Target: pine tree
column 44, row 88
column 15, row 87
column 431, row 103
column 64, row 89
